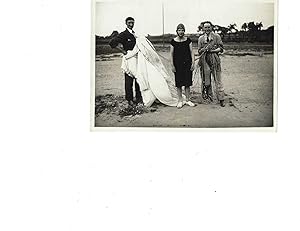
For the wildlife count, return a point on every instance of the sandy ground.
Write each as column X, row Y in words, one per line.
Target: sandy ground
column 248, row 81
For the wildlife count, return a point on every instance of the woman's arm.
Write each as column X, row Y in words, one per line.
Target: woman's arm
column 172, row 58
column 192, row 56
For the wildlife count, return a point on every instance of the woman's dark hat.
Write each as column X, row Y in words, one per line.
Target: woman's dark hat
column 180, row 26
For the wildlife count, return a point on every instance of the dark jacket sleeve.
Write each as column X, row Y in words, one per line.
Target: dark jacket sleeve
column 116, row 40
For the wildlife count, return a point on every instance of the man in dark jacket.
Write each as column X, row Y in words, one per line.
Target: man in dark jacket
column 127, row 39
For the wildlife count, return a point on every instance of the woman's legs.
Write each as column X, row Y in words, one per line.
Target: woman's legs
column 187, row 95
column 179, row 94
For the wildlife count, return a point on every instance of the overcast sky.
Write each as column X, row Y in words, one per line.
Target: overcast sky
column 111, row 14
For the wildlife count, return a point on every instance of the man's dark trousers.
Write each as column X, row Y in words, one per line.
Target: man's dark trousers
column 129, row 89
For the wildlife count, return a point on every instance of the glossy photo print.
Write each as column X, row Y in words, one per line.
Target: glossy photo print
column 184, row 64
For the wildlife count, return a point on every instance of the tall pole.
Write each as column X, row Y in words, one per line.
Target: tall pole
column 163, row 24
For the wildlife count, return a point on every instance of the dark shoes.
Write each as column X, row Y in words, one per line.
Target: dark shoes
column 130, row 103
column 139, row 102
column 133, row 103
column 222, row 103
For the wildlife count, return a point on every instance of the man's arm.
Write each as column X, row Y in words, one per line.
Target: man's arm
column 220, row 46
column 201, row 47
column 120, row 48
column 117, row 42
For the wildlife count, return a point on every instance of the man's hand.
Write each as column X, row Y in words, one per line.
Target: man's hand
column 217, row 50
column 209, row 47
column 202, row 50
column 120, row 48
column 205, row 49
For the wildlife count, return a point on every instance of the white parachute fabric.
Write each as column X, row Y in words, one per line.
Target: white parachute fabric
column 144, row 64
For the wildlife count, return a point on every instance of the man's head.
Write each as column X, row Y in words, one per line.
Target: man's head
column 129, row 22
column 207, row 27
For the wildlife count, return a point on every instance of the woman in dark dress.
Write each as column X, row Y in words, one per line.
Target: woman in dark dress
column 182, row 60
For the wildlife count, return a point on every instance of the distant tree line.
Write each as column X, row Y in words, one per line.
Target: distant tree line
column 250, row 32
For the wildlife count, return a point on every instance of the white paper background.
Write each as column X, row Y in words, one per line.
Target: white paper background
column 57, row 175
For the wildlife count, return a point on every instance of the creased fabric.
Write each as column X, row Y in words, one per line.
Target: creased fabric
column 144, row 64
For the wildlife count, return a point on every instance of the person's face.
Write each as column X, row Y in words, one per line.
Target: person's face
column 207, row 28
column 180, row 32
column 130, row 24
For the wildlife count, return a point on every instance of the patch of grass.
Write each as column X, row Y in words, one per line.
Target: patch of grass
column 106, row 103
column 112, row 104
column 133, row 110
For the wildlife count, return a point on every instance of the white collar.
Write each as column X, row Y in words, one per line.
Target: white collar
column 131, row 31
column 210, row 36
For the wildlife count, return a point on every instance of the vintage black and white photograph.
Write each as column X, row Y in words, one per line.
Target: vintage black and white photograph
column 97, row 95
column 184, row 64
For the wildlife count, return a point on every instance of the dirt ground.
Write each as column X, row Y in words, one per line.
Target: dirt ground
column 248, row 82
